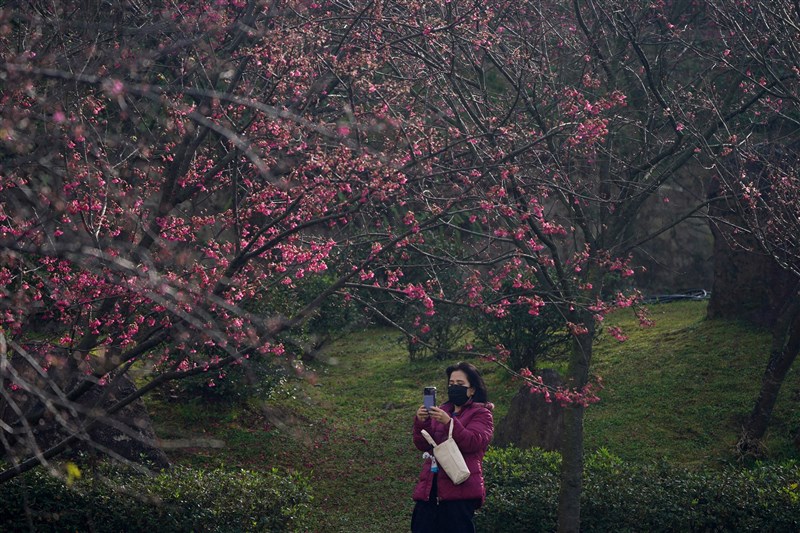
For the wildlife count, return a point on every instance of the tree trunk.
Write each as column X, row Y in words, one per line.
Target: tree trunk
column 785, row 347
column 569, row 498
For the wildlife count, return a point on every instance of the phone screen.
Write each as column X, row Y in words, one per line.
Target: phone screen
column 429, row 397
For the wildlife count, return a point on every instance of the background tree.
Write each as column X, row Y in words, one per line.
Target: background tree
column 552, row 127
column 758, row 181
column 166, row 170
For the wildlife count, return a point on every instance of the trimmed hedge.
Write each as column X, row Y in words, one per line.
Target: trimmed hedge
column 179, row 499
column 522, row 495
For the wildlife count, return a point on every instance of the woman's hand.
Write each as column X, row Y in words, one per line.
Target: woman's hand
column 439, row 415
column 422, row 413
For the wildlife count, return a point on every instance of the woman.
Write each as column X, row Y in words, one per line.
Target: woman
column 442, row 506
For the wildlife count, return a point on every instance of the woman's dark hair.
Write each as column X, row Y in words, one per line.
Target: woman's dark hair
column 474, row 377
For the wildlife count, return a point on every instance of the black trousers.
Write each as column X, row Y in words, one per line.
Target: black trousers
column 443, row 517
column 434, row 516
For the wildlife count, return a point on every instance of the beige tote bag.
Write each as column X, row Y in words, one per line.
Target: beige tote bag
column 449, row 457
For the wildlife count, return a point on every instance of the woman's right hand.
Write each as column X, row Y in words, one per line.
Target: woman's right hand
column 422, row 413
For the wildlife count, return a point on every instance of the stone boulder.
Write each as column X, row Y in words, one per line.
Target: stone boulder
column 126, row 434
column 129, row 433
column 531, row 421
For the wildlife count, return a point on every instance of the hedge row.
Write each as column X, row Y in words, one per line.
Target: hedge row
column 522, row 489
column 179, row 499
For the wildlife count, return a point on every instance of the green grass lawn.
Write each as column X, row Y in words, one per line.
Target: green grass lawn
column 682, row 389
column 676, row 391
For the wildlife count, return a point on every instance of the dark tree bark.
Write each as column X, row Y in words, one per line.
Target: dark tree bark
column 569, row 497
column 785, row 347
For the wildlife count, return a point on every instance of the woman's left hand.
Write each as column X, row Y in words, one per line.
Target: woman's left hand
column 439, row 415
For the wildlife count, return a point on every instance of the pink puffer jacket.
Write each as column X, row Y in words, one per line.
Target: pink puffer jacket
column 472, row 430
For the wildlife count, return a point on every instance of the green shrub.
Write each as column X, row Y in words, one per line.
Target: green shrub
column 257, row 376
column 528, row 338
column 522, row 490
column 523, row 486
column 180, row 499
column 236, row 383
column 445, row 333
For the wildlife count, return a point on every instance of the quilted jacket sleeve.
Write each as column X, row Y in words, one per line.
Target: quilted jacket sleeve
column 419, row 440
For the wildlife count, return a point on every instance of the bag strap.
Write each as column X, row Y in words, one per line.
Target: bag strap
column 430, row 439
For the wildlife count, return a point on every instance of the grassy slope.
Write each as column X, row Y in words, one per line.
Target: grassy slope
column 682, row 389
column 675, row 391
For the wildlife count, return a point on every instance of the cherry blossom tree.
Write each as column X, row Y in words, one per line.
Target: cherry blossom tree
column 757, row 180
column 762, row 218
column 167, row 165
column 561, row 123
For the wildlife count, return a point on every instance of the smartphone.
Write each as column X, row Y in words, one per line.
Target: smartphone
column 429, row 397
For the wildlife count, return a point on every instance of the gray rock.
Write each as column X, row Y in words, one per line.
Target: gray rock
column 531, row 421
column 126, row 434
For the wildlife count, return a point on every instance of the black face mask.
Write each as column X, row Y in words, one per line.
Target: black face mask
column 457, row 394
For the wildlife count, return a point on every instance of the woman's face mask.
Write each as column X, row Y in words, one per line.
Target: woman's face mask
column 457, row 394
